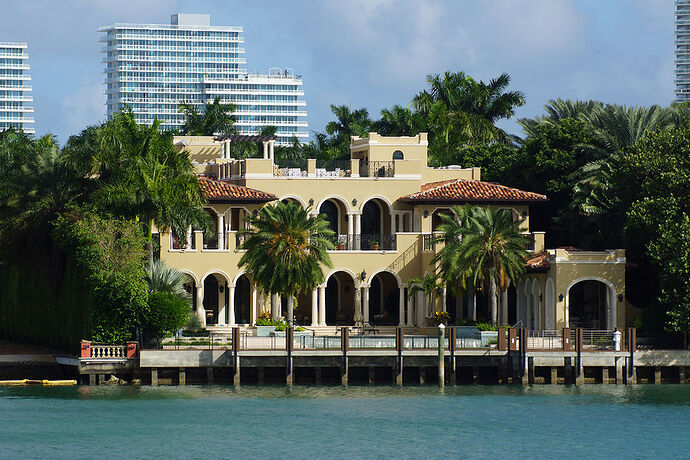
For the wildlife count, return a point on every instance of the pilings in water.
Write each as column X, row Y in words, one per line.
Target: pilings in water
column 511, row 361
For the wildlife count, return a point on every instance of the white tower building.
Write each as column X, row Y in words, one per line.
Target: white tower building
column 15, row 92
column 682, row 69
column 154, row 67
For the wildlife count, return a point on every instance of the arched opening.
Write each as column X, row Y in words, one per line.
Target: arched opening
column 336, row 215
column 384, row 300
column 536, row 305
column 303, row 308
column 292, row 200
column 215, row 293
column 340, row 299
column 242, row 300
column 549, row 306
column 330, row 210
column 211, row 241
column 512, row 305
column 437, row 220
column 378, row 227
column 589, row 304
column 454, row 304
column 190, row 289
column 398, row 155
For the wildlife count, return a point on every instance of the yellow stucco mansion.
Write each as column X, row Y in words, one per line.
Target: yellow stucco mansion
column 384, row 205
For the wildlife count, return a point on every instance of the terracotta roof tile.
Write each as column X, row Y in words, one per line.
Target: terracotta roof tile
column 217, row 190
column 462, row 190
column 537, row 263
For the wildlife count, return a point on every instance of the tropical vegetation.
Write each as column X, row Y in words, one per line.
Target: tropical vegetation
column 286, row 248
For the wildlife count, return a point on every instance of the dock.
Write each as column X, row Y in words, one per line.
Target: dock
column 518, row 357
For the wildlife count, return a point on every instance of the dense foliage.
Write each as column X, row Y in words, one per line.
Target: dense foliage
column 166, row 314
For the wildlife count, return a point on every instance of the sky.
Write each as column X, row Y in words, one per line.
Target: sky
column 370, row 53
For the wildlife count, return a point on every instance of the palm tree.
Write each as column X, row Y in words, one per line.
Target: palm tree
column 37, row 182
column 428, row 284
column 147, row 180
column 482, row 245
column 286, row 249
column 400, row 121
column 559, row 109
column 216, row 118
column 162, row 278
column 347, row 123
column 461, row 106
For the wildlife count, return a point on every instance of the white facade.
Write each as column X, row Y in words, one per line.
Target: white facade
column 682, row 69
column 154, row 67
column 15, row 91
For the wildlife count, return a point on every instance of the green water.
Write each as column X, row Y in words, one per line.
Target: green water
column 496, row 422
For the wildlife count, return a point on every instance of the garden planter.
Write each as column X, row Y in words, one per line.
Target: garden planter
column 264, row 331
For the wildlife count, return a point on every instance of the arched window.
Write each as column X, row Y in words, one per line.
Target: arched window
column 398, row 155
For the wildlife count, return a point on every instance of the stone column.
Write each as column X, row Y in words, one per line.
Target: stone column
column 188, row 238
column 365, row 304
column 322, row 305
column 221, row 307
column 350, row 231
column 231, row 306
column 314, row 308
column 200, row 311
column 221, row 231
column 443, row 298
column 265, row 150
column 271, row 146
column 393, row 224
column 401, row 307
column 255, row 303
column 358, row 231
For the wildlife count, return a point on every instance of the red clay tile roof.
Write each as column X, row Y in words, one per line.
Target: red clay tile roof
column 462, row 190
column 220, row 191
column 537, row 263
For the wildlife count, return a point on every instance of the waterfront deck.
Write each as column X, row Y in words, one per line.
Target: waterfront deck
column 397, row 359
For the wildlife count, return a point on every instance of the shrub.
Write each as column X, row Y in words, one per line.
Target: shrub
column 486, row 327
column 265, row 319
column 167, row 313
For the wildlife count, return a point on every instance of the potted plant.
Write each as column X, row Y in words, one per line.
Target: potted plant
column 341, row 246
column 441, row 317
column 374, row 245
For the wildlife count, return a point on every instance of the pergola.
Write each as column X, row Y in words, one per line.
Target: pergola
column 267, row 141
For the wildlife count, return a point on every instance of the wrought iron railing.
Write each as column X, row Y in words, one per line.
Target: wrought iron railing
column 429, row 243
column 364, row 242
column 377, row 169
column 211, row 242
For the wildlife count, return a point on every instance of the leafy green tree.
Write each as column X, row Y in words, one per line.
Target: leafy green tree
column 147, row 180
column 285, row 250
column 658, row 170
column 166, row 314
column 215, row 119
column 483, row 245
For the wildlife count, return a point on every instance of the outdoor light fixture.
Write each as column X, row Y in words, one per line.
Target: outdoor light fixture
column 354, row 202
column 221, row 288
column 363, row 275
column 426, row 214
column 311, row 201
column 540, row 297
column 620, row 297
column 560, row 297
column 255, row 213
column 524, row 214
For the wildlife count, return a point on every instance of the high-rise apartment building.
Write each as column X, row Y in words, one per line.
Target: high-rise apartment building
column 154, row 67
column 15, row 91
column 682, row 50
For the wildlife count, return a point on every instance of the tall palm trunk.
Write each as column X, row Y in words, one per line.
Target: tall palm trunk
column 290, row 307
column 493, row 303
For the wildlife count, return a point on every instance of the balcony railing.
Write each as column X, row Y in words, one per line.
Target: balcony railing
column 377, row 169
column 364, row 242
column 333, row 168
